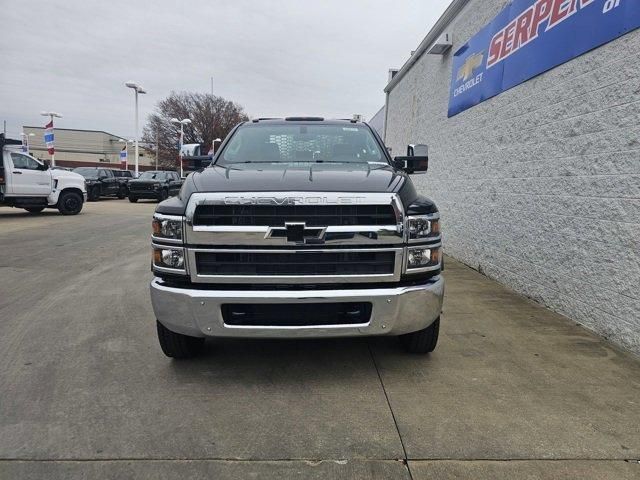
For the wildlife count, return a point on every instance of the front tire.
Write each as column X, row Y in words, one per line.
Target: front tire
column 133, row 199
column 70, row 203
column 34, row 210
column 94, row 194
column 122, row 193
column 163, row 194
column 422, row 341
column 176, row 345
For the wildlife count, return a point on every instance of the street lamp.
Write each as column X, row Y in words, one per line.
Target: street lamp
column 183, row 122
column 138, row 89
column 51, row 115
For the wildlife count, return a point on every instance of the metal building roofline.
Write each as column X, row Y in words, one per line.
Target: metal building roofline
column 438, row 29
column 77, row 130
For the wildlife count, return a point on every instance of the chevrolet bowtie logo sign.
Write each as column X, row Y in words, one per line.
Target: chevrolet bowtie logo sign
column 297, row 232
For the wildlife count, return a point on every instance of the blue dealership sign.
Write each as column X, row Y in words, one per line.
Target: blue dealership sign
column 529, row 37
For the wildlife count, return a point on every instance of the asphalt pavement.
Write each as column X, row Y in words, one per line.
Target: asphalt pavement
column 512, row 390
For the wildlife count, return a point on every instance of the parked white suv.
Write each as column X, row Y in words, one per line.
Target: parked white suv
column 30, row 184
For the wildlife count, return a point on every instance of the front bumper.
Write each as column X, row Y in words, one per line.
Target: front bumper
column 145, row 194
column 397, row 310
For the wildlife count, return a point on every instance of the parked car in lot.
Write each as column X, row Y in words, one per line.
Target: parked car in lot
column 101, row 182
column 30, row 184
column 123, row 177
column 155, row 184
column 302, row 227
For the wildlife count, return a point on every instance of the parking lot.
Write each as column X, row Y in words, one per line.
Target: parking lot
column 512, row 391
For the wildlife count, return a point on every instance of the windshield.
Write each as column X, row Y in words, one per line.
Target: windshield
column 302, row 144
column 86, row 171
column 152, row 176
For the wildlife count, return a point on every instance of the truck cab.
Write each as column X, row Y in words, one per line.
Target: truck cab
column 28, row 183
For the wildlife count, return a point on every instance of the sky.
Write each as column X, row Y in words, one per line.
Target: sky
column 275, row 58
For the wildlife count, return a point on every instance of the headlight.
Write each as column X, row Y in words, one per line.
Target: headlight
column 167, row 227
column 156, row 185
column 423, row 227
column 172, row 258
column 423, row 258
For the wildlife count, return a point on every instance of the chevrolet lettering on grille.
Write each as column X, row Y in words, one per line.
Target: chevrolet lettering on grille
column 307, row 200
column 298, row 232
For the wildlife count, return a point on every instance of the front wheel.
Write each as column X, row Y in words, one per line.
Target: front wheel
column 34, row 210
column 176, row 345
column 122, row 193
column 70, row 203
column 133, row 199
column 163, row 194
column 94, row 194
column 422, row 341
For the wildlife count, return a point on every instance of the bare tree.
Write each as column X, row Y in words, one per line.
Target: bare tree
column 211, row 117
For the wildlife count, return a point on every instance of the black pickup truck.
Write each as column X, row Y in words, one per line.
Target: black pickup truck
column 154, row 184
column 301, row 227
column 101, row 182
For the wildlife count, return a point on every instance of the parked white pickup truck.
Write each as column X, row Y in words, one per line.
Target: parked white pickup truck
column 30, row 184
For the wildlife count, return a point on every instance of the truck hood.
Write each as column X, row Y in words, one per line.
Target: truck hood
column 318, row 177
column 65, row 175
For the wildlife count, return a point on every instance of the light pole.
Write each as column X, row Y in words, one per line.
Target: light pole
column 183, row 122
column 51, row 115
column 138, row 89
column 157, row 145
column 25, row 141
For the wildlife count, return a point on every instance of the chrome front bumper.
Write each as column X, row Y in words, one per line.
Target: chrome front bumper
column 398, row 310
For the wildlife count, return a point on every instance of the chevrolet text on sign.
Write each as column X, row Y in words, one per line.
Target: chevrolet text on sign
column 529, row 37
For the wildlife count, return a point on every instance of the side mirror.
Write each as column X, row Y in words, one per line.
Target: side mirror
column 45, row 165
column 416, row 161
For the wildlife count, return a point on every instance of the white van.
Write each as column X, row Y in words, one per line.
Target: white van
column 30, row 184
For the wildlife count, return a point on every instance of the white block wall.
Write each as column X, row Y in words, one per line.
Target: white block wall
column 539, row 187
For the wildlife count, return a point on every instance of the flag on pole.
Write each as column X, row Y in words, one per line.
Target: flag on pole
column 123, row 154
column 48, row 137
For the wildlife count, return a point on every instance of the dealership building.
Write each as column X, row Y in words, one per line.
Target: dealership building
column 531, row 112
column 87, row 148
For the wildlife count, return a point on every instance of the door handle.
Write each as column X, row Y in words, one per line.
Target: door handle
column 18, row 173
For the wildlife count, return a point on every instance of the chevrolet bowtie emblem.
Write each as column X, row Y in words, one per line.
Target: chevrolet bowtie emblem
column 297, row 232
column 465, row 72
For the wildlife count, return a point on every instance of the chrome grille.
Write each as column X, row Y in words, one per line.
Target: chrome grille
column 295, row 263
column 299, row 237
